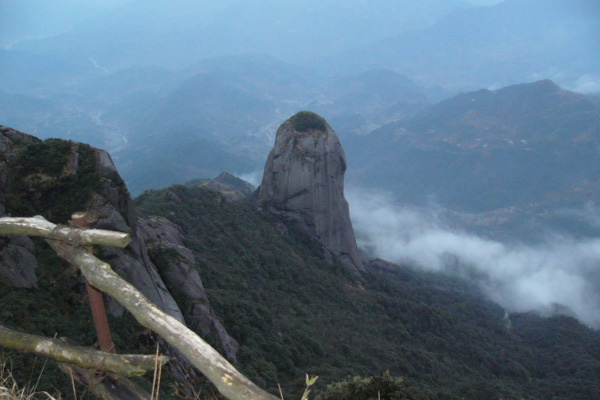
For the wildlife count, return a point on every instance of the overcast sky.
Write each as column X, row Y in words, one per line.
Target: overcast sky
column 44, row 17
column 485, row 2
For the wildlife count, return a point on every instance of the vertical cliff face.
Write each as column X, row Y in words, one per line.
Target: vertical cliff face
column 303, row 182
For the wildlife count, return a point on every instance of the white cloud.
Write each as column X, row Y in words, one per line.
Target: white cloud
column 253, row 177
column 587, row 84
column 560, row 271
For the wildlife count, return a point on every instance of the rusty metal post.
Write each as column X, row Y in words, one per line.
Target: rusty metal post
column 80, row 220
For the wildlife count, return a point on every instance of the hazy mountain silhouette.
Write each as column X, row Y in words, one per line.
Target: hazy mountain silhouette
column 514, row 41
column 484, row 150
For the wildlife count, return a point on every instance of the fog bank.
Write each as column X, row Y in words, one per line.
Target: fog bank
column 561, row 271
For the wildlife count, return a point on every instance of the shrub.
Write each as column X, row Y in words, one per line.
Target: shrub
column 306, row 120
column 43, row 182
column 385, row 387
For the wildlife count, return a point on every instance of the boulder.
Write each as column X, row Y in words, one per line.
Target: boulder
column 17, row 262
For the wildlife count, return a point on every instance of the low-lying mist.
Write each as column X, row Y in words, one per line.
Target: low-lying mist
column 558, row 273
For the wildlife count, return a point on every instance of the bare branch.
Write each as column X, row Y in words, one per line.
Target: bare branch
column 38, row 226
column 123, row 364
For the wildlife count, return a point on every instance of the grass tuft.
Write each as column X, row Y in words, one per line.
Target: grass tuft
column 11, row 390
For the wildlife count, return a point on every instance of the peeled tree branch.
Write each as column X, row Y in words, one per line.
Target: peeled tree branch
column 124, row 364
column 228, row 380
column 37, row 226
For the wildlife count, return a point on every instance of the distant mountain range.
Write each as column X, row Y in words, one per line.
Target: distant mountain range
column 157, row 32
column 514, row 41
column 219, row 114
column 533, row 147
column 166, row 90
column 528, row 145
column 169, row 113
column 449, row 43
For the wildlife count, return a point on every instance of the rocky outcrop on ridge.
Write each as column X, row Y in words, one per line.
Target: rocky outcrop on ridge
column 177, row 267
column 55, row 178
column 231, row 187
column 17, row 262
column 303, row 182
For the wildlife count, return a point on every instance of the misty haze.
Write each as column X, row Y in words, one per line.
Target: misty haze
column 332, row 187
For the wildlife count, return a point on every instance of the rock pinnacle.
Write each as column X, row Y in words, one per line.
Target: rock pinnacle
column 303, row 182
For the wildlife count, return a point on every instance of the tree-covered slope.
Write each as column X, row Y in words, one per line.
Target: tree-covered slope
column 292, row 314
column 519, row 146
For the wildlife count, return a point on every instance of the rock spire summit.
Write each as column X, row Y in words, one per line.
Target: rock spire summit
column 303, row 182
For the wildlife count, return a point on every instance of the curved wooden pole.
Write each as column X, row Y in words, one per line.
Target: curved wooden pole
column 38, row 226
column 228, row 380
column 124, row 364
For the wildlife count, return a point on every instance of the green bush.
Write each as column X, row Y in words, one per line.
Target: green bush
column 306, row 120
column 43, row 181
column 385, row 387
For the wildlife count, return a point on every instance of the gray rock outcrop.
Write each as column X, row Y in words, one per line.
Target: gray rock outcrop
column 177, row 266
column 18, row 264
column 303, row 182
column 110, row 207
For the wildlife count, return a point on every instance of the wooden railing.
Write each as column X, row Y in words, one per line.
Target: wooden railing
column 69, row 244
